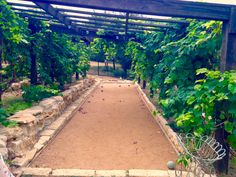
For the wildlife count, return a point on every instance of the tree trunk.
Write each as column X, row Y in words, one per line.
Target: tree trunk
column 98, row 68
column 144, row 84
column 220, row 136
column 114, row 64
column 139, row 80
column 33, row 69
column 1, row 79
column 151, row 92
column 76, row 75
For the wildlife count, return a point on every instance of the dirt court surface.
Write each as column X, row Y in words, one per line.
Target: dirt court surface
column 112, row 130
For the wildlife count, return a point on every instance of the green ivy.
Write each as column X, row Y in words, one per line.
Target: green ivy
column 212, row 103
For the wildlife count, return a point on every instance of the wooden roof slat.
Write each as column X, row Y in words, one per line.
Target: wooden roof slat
column 29, row 11
column 34, row 15
column 99, row 27
column 169, row 20
column 174, row 8
column 91, row 13
column 94, row 18
column 22, row 5
column 98, row 23
column 149, row 25
column 120, row 17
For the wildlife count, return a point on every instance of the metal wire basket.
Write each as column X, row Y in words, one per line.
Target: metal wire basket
column 202, row 152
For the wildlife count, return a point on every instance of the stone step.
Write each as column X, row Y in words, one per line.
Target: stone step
column 44, row 172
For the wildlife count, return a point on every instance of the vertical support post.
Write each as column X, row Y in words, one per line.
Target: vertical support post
column 228, row 62
column 228, row 53
column 1, row 51
column 98, row 67
column 144, row 84
column 33, row 67
column 76, row 75
column 126, row 25
column 139, row 80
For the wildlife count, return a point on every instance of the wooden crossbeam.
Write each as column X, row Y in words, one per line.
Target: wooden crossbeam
column 174, row 8
column 150, row 25
column 77, row 18
column 146, row 29
column 25, row 14
column 228, row 53
column 117, row 21
column 98, row 23
column 115, row 27
column 36, row 11
column 99, row 27
column 57, row 15
column 120, row 17
column 167, row 20
column 22, row 5
column 107, row 15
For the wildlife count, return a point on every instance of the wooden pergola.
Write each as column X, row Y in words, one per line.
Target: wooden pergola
column 124, row 18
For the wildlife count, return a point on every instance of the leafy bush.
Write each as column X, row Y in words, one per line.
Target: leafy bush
column 212, row 103
column 16, row 105
column 3, row 116
column 3, row 119
column 119, row 73
column 37, row 93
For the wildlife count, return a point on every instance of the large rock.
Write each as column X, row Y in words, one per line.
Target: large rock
column 4, row 153
column 15, row 86
column 3, row 144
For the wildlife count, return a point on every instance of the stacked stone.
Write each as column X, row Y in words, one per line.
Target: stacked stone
column 3, row 146
column 15, row 141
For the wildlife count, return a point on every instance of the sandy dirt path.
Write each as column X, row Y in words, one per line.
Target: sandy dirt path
column 112, row 130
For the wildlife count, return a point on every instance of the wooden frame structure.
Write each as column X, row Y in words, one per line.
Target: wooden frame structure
column 126, row 17
column 87, row 22
column 121, row 13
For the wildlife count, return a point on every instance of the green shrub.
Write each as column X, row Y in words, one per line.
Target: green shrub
column 3, row 119
column 3, row 116
column 37, row 93
column 119, row 73
column 17, row 105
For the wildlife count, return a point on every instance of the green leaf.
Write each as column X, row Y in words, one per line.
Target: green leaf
column 229, row 126
column 202, row 71
column 232, row 88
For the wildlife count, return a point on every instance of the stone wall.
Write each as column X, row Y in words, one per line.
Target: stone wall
column 16, row 141
column 18, row 85
column 170, row 134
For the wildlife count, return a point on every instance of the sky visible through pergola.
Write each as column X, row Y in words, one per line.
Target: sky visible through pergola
column 118, row 21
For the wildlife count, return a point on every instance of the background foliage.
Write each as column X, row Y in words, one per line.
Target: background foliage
column 29, row 48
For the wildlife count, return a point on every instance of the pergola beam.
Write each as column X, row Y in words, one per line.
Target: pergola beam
column 120, row 17
column 90, row 33
column 118, row 22
column 23, row 14
column 90, row 13
column 97, row 23
column 57, row 15
column 22, row 5
column 228, row 54
column 149, row 25
column 29, row 11
column 166, row 20
column 174, row 8
column 98, row 27
column 94, row 18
